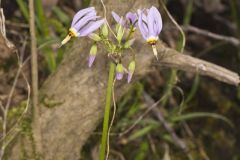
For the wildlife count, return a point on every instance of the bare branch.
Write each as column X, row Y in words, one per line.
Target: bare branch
column 173, row 59
column 34, row 69
column 203, row 32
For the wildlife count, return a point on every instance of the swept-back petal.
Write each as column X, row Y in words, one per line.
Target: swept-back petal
column 129, row 78
column 82, row 13
column 132, row 17
column 141, row 24
column 84, row 21
column 118, row 19
column 119, row 76
column 116, row 16
column 150, row 22
column 157, row 19
column 91, row 27
column 91, row 59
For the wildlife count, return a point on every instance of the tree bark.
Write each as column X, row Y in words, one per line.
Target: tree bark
column 79, row 91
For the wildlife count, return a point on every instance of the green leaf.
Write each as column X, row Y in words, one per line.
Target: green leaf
column 62, row 16
column 141, row 132
column 193, row 115
column 24, row 8
column 42, row 23
column 142, row 151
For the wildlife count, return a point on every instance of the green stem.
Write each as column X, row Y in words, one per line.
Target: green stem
column 130, row 33
column 107, row 110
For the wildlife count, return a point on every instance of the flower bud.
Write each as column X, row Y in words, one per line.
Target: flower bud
column 92, row 55
column 117, row 27
column 94, row 37
column 93, row 50
column 129, row 43
column 131, row 69
column 105, row 30
column 120, row 33
column 119, row 71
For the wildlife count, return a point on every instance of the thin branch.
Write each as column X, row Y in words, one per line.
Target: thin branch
column 14, row 127
column 5, row 113
column 16, row 24
column 5, row 109
column 34, row 62
column 170, row 58
column 34, row 67
column 206, row 33
column 21, row 65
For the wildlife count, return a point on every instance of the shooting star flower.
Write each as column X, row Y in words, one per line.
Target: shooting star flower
column 150, row 26
column 130, row 20
column 83, row 24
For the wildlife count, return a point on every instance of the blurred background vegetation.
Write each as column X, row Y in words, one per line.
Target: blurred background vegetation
column 199, row 117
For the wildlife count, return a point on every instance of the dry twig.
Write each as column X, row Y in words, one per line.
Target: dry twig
column 170, row 58
column 206, row 33
column 34, row 67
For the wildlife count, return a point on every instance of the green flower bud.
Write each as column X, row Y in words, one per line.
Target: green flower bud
column 92, row 55
column 93, row 50
column 120, row 33
column 129, row 43
column 105, row 30
column 119, row 71
column 117, row 27
column 131, row 69
column 94, row 37
column 131, row 66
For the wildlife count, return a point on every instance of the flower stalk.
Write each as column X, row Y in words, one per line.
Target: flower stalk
column 107, row 110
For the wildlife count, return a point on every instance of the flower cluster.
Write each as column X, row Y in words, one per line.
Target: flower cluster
column 85, row 22
column 130, row 21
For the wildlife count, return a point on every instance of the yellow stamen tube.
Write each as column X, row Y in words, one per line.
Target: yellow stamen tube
column 66, row 39
column 155, row 51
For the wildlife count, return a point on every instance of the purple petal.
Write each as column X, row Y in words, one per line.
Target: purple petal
column 91, row 27
column 116, row 16
column 118, row 19
column 130, row 74
column 132, row 17
column 85, row 20
column 91, row 59
column 82, row 13
column 141, row 24
column 119, row 75
column 150, row 22
column 158, row 20
column 144, row 17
